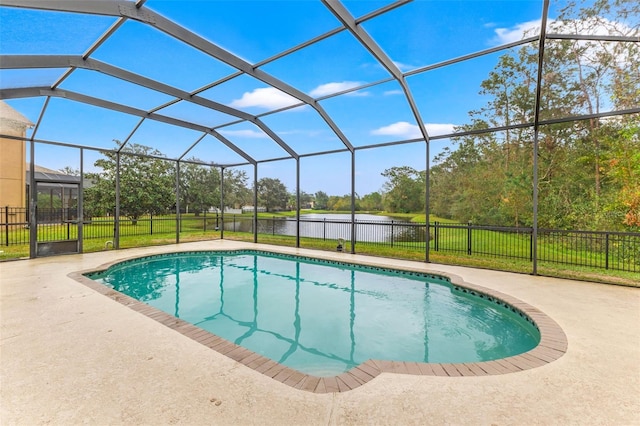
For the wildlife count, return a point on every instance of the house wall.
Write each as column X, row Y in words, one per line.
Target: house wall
column 13, row 167
column 12, row 172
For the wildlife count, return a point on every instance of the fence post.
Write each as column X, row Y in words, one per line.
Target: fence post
column 531, row 246
column 392, row 233
column 435, row 235
column 234, row 222
column 273, row 226
column 6, row 226
column 324, row 229
column 151, row 222
column 606, row 251
column 355, row 234
column 68, row 228
column 469, row 238
column 205, row 221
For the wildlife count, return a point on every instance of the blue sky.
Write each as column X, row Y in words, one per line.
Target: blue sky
column 414, row 35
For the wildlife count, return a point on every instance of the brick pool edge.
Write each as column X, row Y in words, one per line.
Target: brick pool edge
column 553, row 343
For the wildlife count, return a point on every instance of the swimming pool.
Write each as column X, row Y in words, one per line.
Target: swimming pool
column 323, row 317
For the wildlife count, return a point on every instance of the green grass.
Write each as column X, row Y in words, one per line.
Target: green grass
column 500, row 244
column 99, row 231
column 476, row 261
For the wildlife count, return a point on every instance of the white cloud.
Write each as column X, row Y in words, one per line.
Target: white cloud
column 401, row 128
column 393, row 92
column 265, row 97
column 412, row 131
column 435, row 129
column 335, row 87
column 403, row 67
column 254, row 134
column 517, row 32
column 595, row 25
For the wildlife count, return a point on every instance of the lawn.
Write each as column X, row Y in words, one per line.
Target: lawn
column 507, row 251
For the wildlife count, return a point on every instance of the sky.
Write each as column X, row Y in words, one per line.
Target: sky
column 414, row 35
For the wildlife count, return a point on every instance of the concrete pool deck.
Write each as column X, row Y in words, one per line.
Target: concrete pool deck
column 69, row 355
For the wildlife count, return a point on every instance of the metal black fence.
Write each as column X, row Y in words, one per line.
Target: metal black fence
column 62, row 224
column 14, row 223
column 596, row 249
column 618, row 251
column 607, row 250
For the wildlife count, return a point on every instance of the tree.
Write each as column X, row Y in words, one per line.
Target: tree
column 305, row 200
column 199, row 187
column 404, row 190
column 236, row 193
column 147, row 183
column 372, row 202
column 622, row 170
column 582, row 167
column 322, row 201
column 71, row 171
column 595, row 72
column 337, row 203
column 272, row 194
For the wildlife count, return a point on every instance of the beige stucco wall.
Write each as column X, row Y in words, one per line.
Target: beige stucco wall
column 12, row 158
column 12, row 172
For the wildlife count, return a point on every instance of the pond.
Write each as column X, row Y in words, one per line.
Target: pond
column 369, row 228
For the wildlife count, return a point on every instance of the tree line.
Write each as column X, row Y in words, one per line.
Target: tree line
column 588, row 170
column 147, row 184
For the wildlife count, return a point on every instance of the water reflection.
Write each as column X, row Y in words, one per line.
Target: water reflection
column 323, row 319
column 369, row 228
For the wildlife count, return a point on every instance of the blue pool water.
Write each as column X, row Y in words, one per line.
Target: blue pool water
column 321, row 317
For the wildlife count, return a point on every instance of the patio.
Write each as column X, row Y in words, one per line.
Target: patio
column 70, row 355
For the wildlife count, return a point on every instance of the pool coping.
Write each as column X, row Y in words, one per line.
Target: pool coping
column 553, row 341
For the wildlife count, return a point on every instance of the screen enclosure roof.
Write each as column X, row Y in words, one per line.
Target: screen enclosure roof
column 241, row 82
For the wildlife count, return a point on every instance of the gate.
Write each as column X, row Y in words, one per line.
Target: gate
column 58, row 225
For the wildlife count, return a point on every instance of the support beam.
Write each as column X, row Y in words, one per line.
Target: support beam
column 255, row 203
column 353, row 202
column 81, row 204
column 61, row 61
column 427, row 199
column 130, row 135
column 222, row 203
column 471, row 56
column 297, row 202
column 26, row 92
column 343, row 15
column 193, row 145
column 76, row 61
column 177, row 194
column 536, row 126
column 589, row 37
column 116, row 217
column 129, row 10
column 33, row 203
column 275, row 137
column 33, row 196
